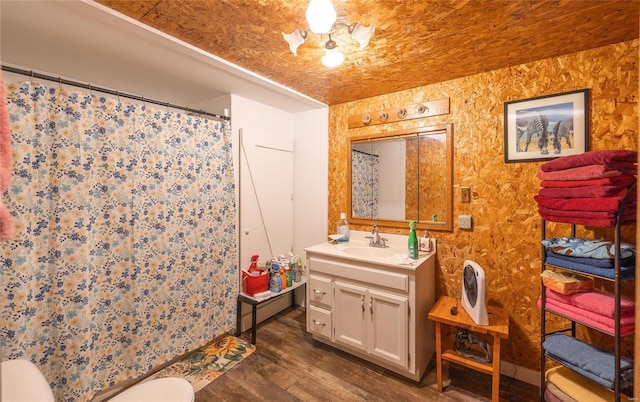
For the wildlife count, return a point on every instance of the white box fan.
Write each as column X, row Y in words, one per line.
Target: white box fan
column 474, row 293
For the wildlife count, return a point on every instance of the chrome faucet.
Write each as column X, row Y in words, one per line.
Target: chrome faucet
column 376, row 240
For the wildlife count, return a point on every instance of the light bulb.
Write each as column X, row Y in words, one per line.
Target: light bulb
column 321, row 16
column 362, row 34
column 295, row 39
column 332, row 58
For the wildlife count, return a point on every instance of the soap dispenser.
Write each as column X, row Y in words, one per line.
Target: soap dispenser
column 413, row 241
column 343, row 228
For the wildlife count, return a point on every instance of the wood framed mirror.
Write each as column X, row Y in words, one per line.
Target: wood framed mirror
column 400, row 176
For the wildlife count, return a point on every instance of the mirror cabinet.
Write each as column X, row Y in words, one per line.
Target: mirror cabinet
column 396, row 177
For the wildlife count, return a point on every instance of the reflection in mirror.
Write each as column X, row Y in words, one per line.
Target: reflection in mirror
column 403, row 176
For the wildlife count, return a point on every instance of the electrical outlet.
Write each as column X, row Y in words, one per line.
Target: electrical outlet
column 465, row 194
column 464, row 221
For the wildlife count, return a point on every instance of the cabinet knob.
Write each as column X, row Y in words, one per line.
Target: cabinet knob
column 318, row 292
column 318, row 322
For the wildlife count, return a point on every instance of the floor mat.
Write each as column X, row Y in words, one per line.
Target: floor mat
column 208, row 362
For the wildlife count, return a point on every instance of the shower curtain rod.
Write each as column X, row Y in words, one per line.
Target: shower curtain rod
column 365, row 153
column 61, row 80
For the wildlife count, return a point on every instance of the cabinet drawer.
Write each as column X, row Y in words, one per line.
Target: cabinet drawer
column 358, row 272
column 319, row 321
column 320, row 291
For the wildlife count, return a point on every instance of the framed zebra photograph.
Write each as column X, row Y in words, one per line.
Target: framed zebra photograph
column 546, row 127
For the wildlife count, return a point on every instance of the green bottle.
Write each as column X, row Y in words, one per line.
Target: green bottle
column 413, row 241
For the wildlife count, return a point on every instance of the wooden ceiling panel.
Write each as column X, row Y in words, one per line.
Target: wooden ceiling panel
column 416, row 42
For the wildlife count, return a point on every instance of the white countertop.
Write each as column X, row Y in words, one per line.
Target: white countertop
column 397, row 250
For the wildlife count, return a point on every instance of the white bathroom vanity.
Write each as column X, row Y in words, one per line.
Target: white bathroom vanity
column 373, row 302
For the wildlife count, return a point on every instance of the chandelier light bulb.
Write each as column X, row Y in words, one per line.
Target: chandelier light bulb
column 321, row 15
column 362, row 34
column 295, row 39
column 332, row 58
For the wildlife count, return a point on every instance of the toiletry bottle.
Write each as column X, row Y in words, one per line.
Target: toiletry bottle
column 275, row 284
column 287, row 272
column 253, row 268
column 413, row 241
column 343, row 228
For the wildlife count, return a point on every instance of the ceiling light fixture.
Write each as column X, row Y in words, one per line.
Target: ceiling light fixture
column 321, row 17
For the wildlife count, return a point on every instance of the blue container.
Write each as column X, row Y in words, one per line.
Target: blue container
column 275, row 283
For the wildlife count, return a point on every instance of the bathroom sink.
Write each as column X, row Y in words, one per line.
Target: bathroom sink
column 371, row 252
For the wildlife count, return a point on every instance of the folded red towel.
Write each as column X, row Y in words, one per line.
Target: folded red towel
column 623, row 180
column 604, row 204
column 580, row 192
column 583, row 173
column 599, row 223
column 629, row 213
column 605, row 157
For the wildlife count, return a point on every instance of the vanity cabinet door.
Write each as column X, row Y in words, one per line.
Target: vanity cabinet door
column 388, row 334
column 350, row 314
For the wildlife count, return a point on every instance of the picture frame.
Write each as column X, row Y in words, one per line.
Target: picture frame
column 563, row 117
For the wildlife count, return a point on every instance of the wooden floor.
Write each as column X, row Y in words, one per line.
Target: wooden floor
column 289, row 365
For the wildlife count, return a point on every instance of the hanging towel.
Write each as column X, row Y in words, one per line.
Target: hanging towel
column 607, row 157
column 623, row 180
column 589, row 172
column 6, row 166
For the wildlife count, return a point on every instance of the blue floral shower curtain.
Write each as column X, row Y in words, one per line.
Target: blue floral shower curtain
column 124, row 252
column 364, row 184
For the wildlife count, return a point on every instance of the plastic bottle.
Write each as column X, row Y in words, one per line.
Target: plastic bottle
column 413, row 241
column 275, row 283
column 253, row 268
column 287, row 273
column 343, row 228
column 279, row 273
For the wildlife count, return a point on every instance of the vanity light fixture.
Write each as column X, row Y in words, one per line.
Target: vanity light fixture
column 321, row 17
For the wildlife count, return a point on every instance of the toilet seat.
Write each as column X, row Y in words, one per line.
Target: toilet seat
column 21, row 380
column 159, row 390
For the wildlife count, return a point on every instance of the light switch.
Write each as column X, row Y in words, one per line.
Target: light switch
column 465, row 194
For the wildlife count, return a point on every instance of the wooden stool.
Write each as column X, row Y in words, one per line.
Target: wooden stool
column 498, row 328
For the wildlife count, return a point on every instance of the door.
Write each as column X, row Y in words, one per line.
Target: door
column 349, row 314
column 266, row 195
column 388, row 325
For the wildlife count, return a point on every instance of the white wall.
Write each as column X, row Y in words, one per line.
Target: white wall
column 391, row 176
column 283, row 187
column 310, row 177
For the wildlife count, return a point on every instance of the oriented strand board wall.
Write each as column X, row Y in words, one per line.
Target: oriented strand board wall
column 505, row 239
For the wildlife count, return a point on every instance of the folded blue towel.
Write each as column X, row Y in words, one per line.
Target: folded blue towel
column 596, row 262
column 626, row 272
column 587, row 360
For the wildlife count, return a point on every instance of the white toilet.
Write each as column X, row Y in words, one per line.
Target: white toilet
column 22, row 381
